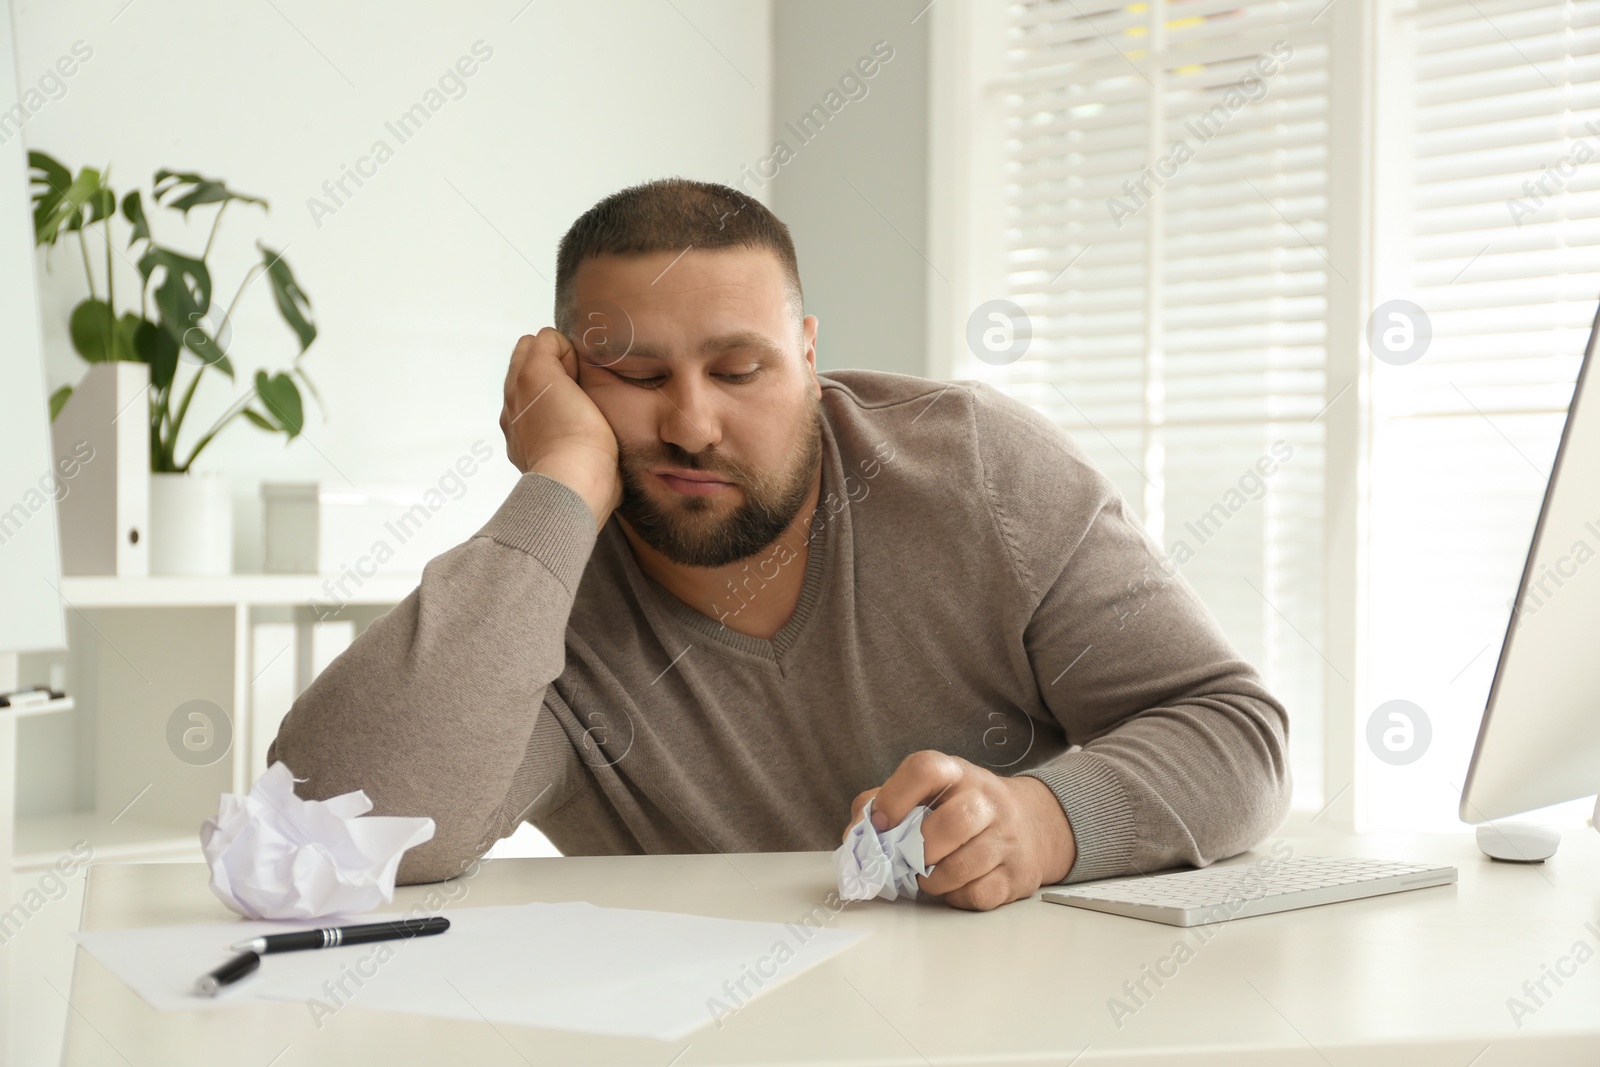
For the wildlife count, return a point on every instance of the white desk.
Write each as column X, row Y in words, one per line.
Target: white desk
column 1415, row 978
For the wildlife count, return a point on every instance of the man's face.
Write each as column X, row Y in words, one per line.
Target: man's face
column 696, row 362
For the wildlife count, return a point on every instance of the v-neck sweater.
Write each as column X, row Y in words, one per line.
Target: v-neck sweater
column 973, row 585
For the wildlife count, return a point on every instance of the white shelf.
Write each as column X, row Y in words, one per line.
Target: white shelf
column 42, row 840
column 23, row 712
column 232, row 590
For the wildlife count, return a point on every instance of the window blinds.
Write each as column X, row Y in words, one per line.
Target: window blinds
column 1165, row 214
column 1502, row 252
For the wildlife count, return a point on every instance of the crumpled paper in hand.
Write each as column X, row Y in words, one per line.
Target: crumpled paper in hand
column 275, row 856
column 872, row 864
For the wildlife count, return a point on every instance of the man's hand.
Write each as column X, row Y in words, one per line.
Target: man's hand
column 553, row 428
column 994, row 839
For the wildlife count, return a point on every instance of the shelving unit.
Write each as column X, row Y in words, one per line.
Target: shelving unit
column 107, row 767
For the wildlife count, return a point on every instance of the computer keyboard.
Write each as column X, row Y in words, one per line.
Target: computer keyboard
column 1235, row 891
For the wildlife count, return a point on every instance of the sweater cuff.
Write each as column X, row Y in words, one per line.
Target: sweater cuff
column 1098, row 808
column 549, row 521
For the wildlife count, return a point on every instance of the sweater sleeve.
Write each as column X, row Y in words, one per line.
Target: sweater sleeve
column 432, row 709
column 1184, row 752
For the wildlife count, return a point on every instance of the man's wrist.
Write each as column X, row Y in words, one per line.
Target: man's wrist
column 1059, row 846
column 581, row 476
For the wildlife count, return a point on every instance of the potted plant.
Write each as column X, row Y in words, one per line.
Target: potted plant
column 180, row 332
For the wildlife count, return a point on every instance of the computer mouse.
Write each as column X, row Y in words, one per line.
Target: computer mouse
column 1517, row 842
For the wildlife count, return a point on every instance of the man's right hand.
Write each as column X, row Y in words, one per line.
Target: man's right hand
column 553, row 428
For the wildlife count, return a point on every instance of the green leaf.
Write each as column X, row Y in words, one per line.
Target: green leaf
column 282, row 401
column 154, row 346
column 133, row 211
column 53, row 180
column 250, row 414
column 127, row 334
column 95, row 333
column 293, row 303
column 200, row 190
column 58, row 400
column 183, row 298
column 102, row 204
column 209, row 348
column 60, row 208
column 84, row 194
column 129, row 324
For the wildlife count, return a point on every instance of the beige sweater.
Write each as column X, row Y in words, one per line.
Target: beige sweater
column 974, row 586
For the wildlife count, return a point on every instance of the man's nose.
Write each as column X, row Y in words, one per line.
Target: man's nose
column 690, row 420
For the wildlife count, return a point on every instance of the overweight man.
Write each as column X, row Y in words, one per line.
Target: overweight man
column 731, row 598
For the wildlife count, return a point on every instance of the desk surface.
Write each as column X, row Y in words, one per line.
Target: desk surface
column 1414, row 978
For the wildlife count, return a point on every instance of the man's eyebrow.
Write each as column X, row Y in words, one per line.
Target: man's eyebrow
column 742, row 339
column 712, row 346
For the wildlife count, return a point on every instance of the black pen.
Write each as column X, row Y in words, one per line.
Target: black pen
column 334, row 936
column 242, row 964
column 251, row 950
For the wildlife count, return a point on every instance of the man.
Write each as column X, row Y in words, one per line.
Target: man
column 731, row 599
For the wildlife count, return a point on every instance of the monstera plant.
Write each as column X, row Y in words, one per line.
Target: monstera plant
column 176, row 325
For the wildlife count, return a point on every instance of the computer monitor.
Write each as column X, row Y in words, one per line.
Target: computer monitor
column 1539, row 742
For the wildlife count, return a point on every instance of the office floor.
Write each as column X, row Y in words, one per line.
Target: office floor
column 42, row 953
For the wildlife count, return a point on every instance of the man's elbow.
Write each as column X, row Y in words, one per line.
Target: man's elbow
column 1255, row 777
column 1279, row 786
column 1267, row 794
column 1278, row 796
column 422, row 865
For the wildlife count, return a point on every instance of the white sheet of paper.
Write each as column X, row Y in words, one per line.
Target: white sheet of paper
column 567, row 966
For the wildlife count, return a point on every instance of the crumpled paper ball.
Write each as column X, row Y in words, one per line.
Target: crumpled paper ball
column 872, row 864
column 275, row 856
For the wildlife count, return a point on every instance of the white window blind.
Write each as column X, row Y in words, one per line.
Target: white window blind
column 1502, row 252
column 1165, row 216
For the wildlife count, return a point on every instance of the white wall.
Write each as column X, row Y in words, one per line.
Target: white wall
column 855, row 193
column 419, row 289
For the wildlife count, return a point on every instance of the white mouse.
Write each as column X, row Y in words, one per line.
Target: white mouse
column 1517, row 842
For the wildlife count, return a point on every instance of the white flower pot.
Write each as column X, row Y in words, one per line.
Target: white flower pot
column 191, row 524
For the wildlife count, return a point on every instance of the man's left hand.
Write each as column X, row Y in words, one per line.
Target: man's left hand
column 994, row 839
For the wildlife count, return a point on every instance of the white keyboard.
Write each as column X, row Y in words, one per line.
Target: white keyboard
column 1234, row 891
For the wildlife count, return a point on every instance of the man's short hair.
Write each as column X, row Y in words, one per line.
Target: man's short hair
column 672, row 215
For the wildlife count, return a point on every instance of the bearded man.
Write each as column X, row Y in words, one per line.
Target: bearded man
column 731, row 599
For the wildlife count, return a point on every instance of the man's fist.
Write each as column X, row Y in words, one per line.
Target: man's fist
column 553, row 428
column 993, row 840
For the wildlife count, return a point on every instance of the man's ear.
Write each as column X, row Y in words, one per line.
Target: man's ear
column 808, row 329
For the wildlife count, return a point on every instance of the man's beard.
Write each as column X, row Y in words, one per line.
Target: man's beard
column 687, row 532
